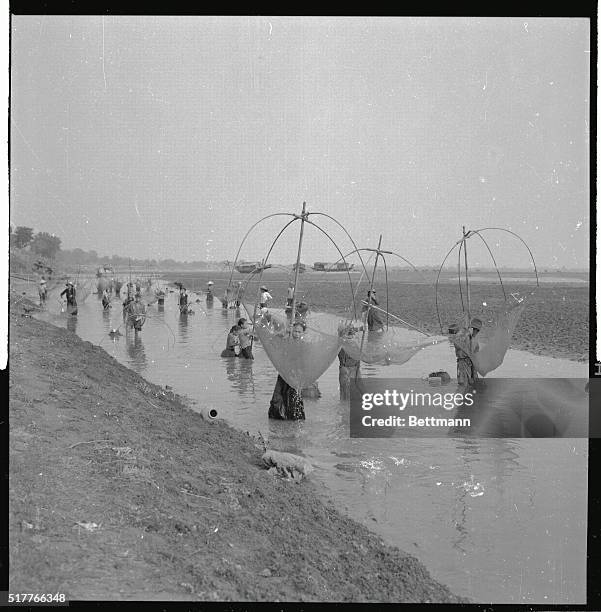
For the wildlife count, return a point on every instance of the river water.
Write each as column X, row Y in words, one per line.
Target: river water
column 498, row 520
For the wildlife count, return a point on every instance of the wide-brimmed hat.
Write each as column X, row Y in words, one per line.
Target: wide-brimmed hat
column 263, row 288
column 210, row 283
column 476, row 324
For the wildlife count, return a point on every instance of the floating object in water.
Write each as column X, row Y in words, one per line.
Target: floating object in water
column 443, row 377
column 287, row 464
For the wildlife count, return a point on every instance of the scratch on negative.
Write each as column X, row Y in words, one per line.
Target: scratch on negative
column 103, row 72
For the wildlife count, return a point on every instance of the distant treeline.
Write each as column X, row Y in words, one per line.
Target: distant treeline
column 48, row 246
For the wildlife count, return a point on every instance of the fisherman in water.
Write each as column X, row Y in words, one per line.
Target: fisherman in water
column 286, row 402
column 70, row 293
column 210, row 295
column 244, row 336
column 466, row 372
column 106, row 300
column 239, row 294
column 290, row 296
column 265, row 297
column 136, row 312
column 348, row 367
column 183, row 301
column 374, row 319
column 42, row 291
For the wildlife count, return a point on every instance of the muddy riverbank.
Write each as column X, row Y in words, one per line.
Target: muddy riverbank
column 118, row 490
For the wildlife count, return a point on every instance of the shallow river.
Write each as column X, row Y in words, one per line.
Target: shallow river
column 497, row 520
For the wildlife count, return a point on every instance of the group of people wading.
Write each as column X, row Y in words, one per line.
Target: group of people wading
column 286, row 402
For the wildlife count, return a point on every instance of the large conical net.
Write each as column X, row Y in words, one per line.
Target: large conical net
column 494, row 338
column 393, row 346
column 102, row 284
column 299, row 361
column 83, row 291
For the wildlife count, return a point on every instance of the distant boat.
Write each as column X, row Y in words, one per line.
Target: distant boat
column 245, row 268
column 322, row 266
column 301, row 268
column 102, row 270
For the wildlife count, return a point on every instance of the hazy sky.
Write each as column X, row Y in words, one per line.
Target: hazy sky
column 159, row 137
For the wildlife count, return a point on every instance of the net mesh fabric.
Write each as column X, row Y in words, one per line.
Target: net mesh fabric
column 299, row 361
column 494, row 338
column 393, row 346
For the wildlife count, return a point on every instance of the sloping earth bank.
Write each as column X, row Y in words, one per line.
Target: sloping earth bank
column 119, row 491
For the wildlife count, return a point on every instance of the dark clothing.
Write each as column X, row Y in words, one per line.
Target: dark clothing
column 69, row 293
column 246, row 352
column 374, row 320
column 466, row 372
column 71, row 301
column 348, row 369
column 286, row 403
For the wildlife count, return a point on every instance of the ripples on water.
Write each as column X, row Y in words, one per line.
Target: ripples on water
column 497, row 520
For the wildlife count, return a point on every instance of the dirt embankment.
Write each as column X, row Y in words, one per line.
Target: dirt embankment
column 119, row 491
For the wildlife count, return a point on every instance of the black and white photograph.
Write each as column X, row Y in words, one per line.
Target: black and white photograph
column 300, row 308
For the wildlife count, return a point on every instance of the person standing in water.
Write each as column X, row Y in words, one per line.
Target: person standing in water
column 106, row 300
column 290, row 295
column 466, row 372
column 374, row 319
column 239, row 294
column 232, row 344
column 245, row 335
column 265, row 297
column 70, row 293
column 210, row 291
column 136, row 312
column 348, row 367
column 42, row 291
column 183, row 301
column 286, row 402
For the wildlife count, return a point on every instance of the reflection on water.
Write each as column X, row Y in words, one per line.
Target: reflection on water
column 500, row 520
column 135, row 350
column 182, row 328
column 240, row 374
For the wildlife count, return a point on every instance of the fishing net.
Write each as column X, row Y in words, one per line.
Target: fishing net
column 83, row 291
column 393, row 346
column 102, row 284
column 488, row 350
column 299, row 361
